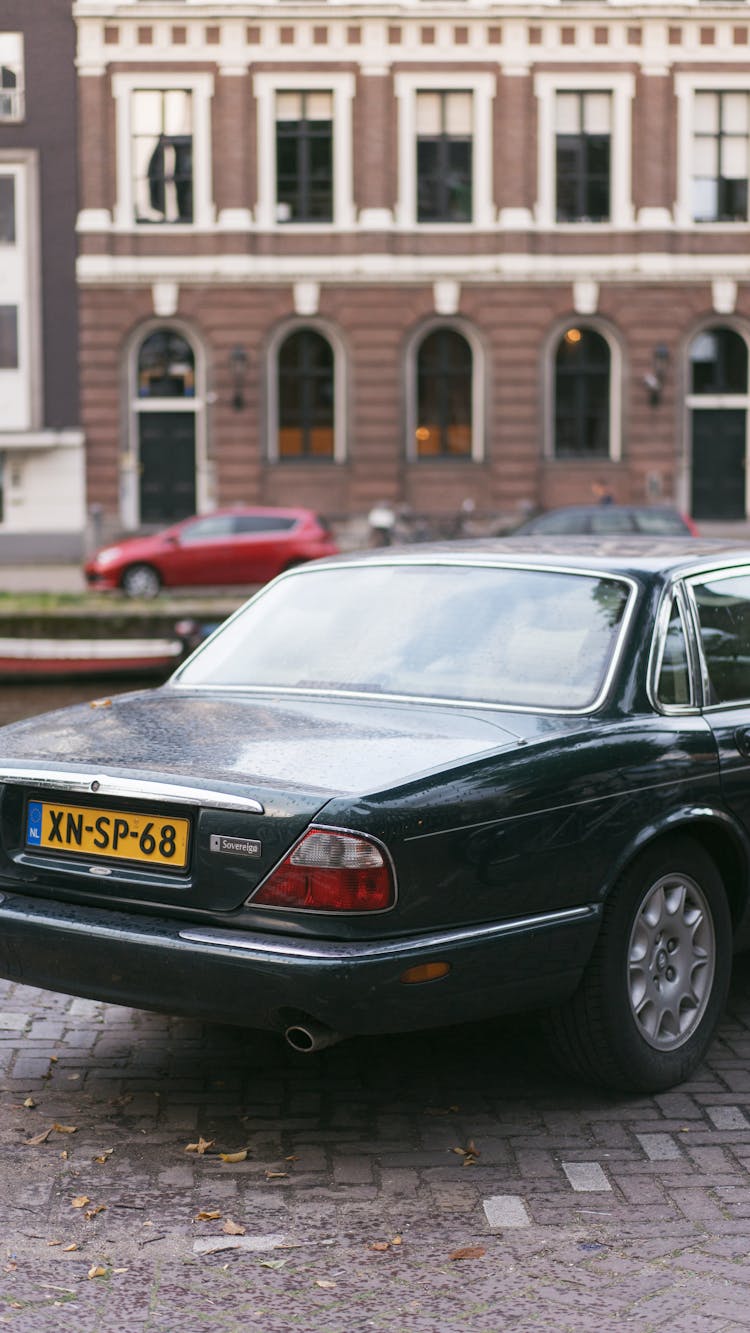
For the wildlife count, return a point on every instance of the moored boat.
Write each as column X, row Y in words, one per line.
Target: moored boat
column 39, row 658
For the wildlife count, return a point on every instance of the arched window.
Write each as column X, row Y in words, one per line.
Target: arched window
column 444, row 396
column 718, row 362
column 306, row 396
column 582, row 395
column 166, row 366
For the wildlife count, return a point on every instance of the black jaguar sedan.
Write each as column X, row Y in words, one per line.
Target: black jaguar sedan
column 409, row 788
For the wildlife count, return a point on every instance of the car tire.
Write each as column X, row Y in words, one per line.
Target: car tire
column 653, row 992
column 141, row 581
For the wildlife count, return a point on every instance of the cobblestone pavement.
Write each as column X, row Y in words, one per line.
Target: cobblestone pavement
column 370, row 1170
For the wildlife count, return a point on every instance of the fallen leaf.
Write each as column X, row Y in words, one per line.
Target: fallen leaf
column 80, row 1201
column 103, row 1156
column 54, row 1059
column 292, row 1158
column 272, row 1263
column 54, row 1242
column 231, row 1228
column 65, row 1154
column 65, row 1129
column 397, row 1240
column 29, row 1103
column 201, row 1146
column 96, row 1271
column 325, row 1283
column 380, row 1245
column 120, row 1270
column 100, row 703
column 230, row 1157
column 38, row 1138
column 68, row 1248
column 207, row 1216
column 91, row 1213
column 11, row 1267
column 469, row 1252
column 276, row 1175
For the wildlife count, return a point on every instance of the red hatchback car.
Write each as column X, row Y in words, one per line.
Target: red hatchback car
column 238, row 545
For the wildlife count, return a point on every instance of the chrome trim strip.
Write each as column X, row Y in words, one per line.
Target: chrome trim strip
column 99, row 785
column 329, row 951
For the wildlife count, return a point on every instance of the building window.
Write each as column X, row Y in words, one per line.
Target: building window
column 7, row 210
column 306, row 396
column 585, row 149
column 11, row 76
column 8, row 337
column 445, row 165
column 166, row 366
column 444, row 156
column 162, row 147
column 163, row 150
column 582, row 395
column 582, row 156
column 721, row 126
column 718, row 362
column 304, row 149
column 304, row 156
column 444, row 366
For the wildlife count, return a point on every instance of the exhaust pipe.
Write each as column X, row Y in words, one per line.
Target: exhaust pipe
column 310, row 1036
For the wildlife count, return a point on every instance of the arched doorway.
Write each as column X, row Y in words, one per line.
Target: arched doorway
column 718, row 403
column 165, row 407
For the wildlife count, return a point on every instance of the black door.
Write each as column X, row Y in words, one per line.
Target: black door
column 167, row 458
column 719, row 463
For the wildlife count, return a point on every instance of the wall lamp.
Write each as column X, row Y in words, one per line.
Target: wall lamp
column 654, row 380
column 238, row 371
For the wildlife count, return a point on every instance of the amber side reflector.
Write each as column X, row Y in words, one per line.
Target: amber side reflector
column 425, row 972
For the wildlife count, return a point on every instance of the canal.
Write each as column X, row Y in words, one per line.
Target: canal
column 17, row 701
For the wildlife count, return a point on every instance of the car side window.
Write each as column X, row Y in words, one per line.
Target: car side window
column 724, row 614
column 673, row 686
column 262, row 523
column 204, row 529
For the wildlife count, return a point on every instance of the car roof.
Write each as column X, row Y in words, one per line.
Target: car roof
column 622, row 555
column 598, row 508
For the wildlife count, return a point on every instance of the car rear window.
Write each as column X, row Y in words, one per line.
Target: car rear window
column 515, row 637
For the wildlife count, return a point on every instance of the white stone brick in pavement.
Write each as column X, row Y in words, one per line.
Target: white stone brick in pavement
column 727, row 1117
column 586, row 1177
column 659, row 1147
column 506, row 1210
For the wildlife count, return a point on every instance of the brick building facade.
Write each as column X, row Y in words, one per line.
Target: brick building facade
column 338, row 254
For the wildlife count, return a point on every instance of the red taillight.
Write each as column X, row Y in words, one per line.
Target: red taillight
column 330, row 872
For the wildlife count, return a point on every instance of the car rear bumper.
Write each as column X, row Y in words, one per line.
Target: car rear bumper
column 269, row 981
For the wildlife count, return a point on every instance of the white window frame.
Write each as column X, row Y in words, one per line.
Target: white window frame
column 342, row 87
column 478, row 392
column 622, row 89
column 686, row 86
column 20, row 283
column 340, row 432
column 483, row 88
column 12, row 57
column 616, row 374
column 201, row 86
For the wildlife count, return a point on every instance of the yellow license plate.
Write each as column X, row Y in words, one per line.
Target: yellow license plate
column 119, row 834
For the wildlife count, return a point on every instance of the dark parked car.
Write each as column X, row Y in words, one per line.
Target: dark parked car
column 610, row 520
column 227, row 546
column 407, row 788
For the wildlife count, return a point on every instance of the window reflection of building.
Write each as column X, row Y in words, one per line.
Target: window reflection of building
column 7, row 210
column 163, row 155
column 721, row 139
column 444, row 394
column 8, row 337
column 166, row 366
column 583, row 122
